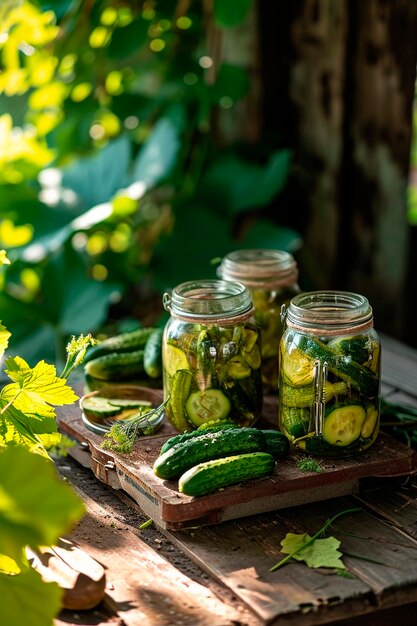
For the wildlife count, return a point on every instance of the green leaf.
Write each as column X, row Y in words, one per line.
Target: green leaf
column 95, row 179
column 4, row 339
column 33, row 342
column 78, row 303
column 36, row 507
column 240, row 185
column 36, row 388
column 319, row 552
column 197, row 237
column 158, row 155
column 26, row 597
column 228, row 13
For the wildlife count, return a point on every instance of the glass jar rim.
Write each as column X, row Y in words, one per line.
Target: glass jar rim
column 208, row 298
column 253, row 266
column 329, row 308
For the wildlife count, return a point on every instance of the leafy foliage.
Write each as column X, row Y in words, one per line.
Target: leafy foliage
column 109, row 171
column 36, row 508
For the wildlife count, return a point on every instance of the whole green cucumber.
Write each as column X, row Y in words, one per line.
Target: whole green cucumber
column 125, row 342
column 178, row 459
column 185, row 450
column 169, row 443
column 152, row 355
column 116, row 366
column 206, row 477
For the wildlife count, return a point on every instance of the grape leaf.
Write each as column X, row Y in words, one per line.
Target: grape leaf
column 36, row 388
column 36, row 507
column 26, row 594
column 4, row 339
column 318, row 552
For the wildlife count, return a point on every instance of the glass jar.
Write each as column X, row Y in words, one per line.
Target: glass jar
column 329, row 388
column 271, row 277
column 211, row 355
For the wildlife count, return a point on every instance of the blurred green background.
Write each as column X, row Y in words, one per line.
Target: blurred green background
column 142, row 141
column 115, row 181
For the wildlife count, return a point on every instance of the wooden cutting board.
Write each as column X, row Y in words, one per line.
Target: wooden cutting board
column 288, row 486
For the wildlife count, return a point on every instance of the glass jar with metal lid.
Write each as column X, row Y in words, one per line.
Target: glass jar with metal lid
column 211, row 355
column 329, row 387
column 271, row 277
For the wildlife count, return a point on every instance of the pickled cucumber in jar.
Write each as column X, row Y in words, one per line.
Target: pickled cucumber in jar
column 329, row 392
column 211, row 355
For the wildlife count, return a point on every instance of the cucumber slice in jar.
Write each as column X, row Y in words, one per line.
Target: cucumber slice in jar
column 297, row 368
column 99, row 406
column 174, row 359
column 343, row 424
column 210, row 404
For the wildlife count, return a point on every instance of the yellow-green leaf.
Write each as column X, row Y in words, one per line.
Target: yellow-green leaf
column 33, row 512
column 4, row 339
column 318, row 553
column 26, row 599
column 38, row 386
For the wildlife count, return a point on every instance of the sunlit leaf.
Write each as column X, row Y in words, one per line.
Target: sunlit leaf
column 51, row 95
column 4, row 339
column 37, row 511
column 3, row 258
column 36, row 388
column 12, row 236
column 26, row 595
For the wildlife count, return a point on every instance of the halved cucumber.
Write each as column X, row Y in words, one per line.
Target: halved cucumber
column 125, row 403
column 210, row 404
column 99, row 407
column 174, row 359
column 343, row 424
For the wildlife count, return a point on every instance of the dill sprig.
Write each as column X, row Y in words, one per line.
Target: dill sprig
column 309, row 465
column 123, row 434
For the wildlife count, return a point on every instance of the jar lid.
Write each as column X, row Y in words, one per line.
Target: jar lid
column 327, row 311
column 209, row 298
column 257, row 267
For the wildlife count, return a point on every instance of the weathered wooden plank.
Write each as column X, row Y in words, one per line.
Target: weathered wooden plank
column 142, row 587
column 396, row 503
column 399, row 365
column 240, row 554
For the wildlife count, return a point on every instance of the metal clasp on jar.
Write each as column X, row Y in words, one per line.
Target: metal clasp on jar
column 319, row 405
column 283, row 314
column 166, row 301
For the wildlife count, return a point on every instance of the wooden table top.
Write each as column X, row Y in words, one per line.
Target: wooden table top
column 218, row 574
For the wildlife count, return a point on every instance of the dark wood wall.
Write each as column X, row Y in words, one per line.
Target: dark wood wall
column 338, row 81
